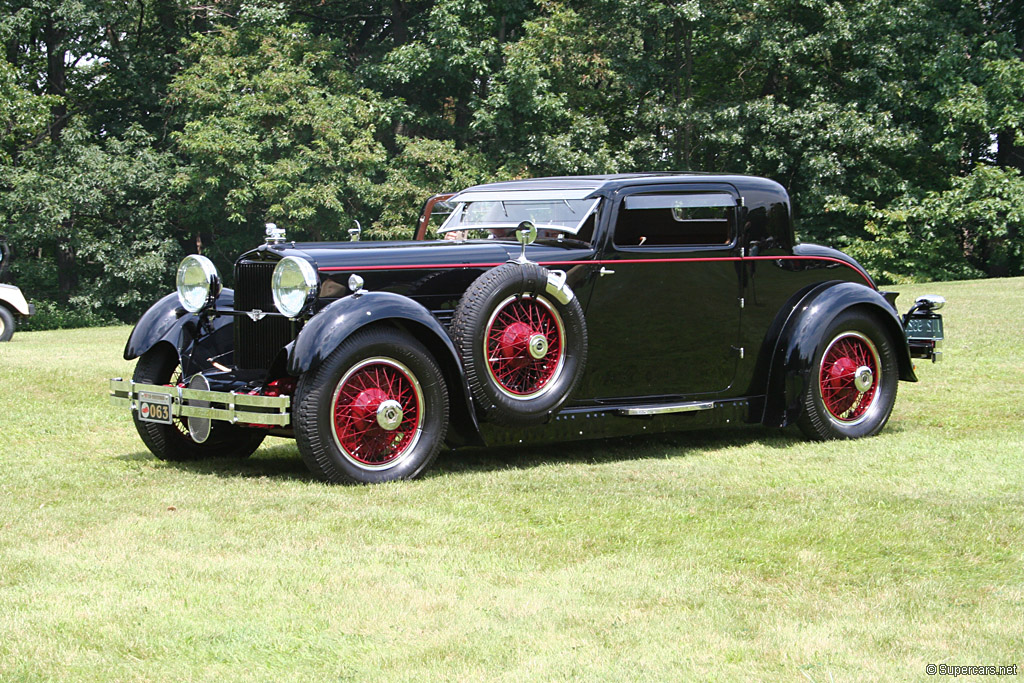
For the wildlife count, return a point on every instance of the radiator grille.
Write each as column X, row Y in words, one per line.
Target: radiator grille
column 257, row 343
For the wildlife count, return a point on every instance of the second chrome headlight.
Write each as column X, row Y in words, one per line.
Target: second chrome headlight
column 198, row 283
column 294, row 286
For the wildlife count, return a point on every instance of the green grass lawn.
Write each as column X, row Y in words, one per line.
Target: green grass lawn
column 744, row 554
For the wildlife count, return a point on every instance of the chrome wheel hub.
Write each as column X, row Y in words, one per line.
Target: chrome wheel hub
column 538, row 346
column 863, row 378
column 389, row 414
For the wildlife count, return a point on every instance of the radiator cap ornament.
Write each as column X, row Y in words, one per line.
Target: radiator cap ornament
column 275, row 235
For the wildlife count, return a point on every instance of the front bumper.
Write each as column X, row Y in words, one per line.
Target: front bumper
column 226, row 406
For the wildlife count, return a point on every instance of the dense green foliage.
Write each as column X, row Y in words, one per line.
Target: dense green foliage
column 133, row 133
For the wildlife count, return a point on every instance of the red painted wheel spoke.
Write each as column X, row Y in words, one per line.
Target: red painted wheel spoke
column 508, row 346
column 355, row 413
column 839, row 366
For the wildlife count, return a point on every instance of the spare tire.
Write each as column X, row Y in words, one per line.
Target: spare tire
column 522, row 341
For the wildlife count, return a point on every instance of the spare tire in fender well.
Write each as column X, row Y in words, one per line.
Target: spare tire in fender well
column 522, row 337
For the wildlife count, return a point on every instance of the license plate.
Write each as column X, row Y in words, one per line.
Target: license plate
column 155, row 407
column 925, row 328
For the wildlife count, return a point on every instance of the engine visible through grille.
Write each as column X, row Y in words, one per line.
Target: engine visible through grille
column 258, row 342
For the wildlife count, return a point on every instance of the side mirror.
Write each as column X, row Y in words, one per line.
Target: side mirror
column 526, row 233
column 354, row 233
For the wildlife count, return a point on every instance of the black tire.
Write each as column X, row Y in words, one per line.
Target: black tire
column 172, row 442
column 834, row 405
column 527, row 393
column 6, row 324
column 338, row 420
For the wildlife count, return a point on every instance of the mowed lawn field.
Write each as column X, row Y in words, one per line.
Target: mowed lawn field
column 714, row 555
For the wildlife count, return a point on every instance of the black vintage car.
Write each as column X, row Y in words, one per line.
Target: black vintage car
column 548, row 309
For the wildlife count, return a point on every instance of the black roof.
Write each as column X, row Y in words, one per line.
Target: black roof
column 605, row 184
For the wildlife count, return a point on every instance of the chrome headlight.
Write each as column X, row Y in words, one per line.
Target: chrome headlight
column 294, row 285
column 198, row 283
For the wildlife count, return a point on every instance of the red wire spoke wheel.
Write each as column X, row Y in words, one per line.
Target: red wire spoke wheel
column 849, row 377
column 850, row 384
column 375, row 410
column 378, row 412
column 524, row 346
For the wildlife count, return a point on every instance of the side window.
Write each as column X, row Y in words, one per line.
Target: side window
column 676, row 220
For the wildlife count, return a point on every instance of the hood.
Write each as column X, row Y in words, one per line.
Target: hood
column 435, row 273
column 398, row 255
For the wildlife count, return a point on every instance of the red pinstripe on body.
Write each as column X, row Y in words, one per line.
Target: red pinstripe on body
column 439, row 266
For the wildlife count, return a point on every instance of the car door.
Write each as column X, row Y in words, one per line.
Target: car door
column 664, row 314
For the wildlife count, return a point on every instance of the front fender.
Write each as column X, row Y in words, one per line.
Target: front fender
column 793, row 358
column 326, row 330
column 195, row 341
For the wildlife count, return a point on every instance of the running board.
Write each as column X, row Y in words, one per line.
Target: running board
column 665, row 408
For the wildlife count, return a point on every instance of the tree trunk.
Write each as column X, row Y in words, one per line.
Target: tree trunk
column 67, row 274
column 56, row 78
column 1009, row 155
column 399, row 29
column 56, row 84
column 688, row 97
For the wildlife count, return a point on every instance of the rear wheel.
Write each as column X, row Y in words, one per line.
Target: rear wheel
column 6, row 324
column 172, row 442
column 376, row 410
column 851, row 388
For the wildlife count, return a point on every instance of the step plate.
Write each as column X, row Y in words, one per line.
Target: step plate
column 666, row 408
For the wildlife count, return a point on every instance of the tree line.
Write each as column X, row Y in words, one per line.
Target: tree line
column 132, row 133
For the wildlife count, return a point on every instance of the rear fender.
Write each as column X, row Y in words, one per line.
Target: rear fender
column 793, row 357
column 334, row 324
column 199, row 340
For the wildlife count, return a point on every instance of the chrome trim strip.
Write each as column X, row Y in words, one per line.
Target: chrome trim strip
column 234, row 410
column 663, row 409
column 502, row 195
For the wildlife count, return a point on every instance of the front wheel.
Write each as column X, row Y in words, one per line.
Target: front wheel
column 376, row 410
column 851, row 387
column 172, row 442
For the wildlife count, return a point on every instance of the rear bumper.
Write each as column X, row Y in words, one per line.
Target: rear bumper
column 225, row 406
column 930, row 350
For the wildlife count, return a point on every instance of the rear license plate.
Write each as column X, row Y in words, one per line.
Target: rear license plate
column 929, row 328
column 155, row 407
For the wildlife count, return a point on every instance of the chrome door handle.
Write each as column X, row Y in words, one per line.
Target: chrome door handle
column 604, row 271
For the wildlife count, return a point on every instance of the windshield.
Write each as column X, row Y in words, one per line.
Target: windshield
column 503, row 212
